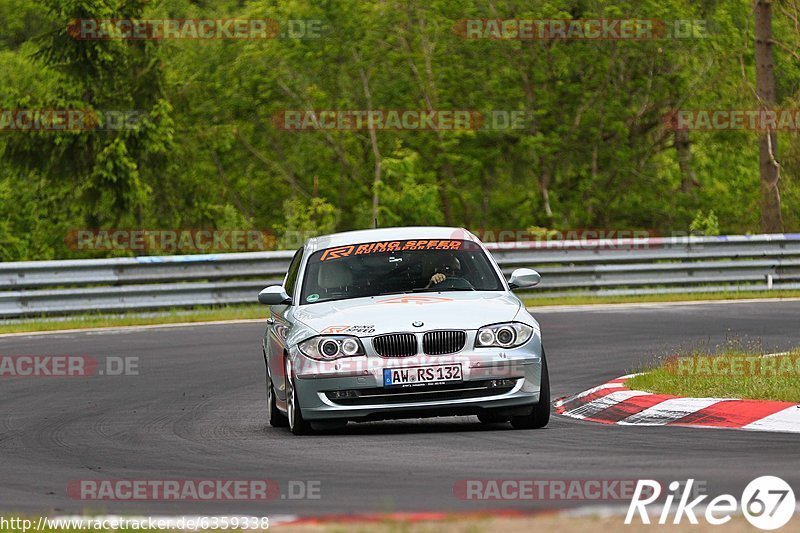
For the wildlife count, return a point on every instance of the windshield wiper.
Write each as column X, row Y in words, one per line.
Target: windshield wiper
column 392, row 292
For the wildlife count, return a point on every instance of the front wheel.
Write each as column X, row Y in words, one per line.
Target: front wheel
column 276, row 418
column 540, row 415
column 297, row 424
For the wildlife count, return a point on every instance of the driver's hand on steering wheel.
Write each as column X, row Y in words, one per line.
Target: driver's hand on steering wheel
column 437, row 278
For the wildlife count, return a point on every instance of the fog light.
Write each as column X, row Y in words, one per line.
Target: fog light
column 342, row 394
column 501, row 383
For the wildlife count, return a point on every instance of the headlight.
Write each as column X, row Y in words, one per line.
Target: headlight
column 508, row 335
column 330, row 347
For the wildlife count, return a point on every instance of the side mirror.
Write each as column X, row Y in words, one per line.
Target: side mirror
column 522, row 278
column 274, row 295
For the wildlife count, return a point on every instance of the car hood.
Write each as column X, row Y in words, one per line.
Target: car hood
column 393, row 313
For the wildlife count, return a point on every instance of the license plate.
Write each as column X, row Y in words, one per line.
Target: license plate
column 421, row 375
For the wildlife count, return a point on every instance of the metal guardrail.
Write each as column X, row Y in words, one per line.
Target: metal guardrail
column 610, row 267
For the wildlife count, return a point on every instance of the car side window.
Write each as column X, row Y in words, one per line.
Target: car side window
column 294, row 269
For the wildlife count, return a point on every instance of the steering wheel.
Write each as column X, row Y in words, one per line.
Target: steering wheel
column 453, row 283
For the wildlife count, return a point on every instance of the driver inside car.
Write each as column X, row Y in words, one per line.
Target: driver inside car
column 449, row 268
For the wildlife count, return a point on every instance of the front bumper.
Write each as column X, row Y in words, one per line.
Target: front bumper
column 352, row 388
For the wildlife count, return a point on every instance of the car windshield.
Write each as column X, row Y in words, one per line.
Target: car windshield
column 397, row 267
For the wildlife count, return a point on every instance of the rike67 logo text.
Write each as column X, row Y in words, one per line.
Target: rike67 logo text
column 768, row 503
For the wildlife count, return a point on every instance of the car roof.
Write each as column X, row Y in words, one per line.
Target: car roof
column 388, row 234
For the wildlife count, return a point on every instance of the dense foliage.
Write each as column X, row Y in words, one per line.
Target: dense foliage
column 594, row 152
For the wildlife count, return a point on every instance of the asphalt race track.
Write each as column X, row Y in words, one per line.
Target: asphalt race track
column 197, row 411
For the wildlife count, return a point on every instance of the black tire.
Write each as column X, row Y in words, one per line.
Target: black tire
column 540, row 415
column 328, row 425
column 276, row 418
column 297, row 424
column 491, row 417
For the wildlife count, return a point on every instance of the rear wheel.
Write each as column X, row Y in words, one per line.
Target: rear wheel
column 540, row 415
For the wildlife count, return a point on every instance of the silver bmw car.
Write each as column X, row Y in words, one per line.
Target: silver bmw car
column 401, row 323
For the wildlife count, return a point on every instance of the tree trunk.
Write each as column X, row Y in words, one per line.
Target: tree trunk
column 771, row 221
column 544, row 184
column 373, row 140
column 683, row 146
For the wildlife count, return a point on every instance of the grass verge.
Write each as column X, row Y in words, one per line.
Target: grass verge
column 731, row 374
column 173, row 316
column 588, row 299
column 254, row 311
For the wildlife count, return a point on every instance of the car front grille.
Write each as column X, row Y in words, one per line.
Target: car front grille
column 436, row 393
column 443, row 342
column 396, row 345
